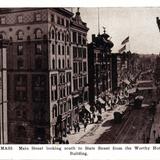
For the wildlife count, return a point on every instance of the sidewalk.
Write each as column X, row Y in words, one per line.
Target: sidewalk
column 155, row 125
column 93, row 131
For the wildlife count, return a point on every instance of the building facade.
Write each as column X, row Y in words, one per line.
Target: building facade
column 80, row 65
column 99, row 67
column 39, row 69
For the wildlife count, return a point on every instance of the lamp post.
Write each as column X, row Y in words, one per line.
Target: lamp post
column 3, row 91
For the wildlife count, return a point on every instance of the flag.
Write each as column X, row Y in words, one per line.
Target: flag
column 158, row 22
column 125, row 40
column 122, row 49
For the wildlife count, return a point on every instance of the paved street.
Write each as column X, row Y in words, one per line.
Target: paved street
column 94, row 131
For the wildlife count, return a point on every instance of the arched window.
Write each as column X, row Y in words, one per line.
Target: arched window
column 20, row 35
column 52, row 34
column 38, row 33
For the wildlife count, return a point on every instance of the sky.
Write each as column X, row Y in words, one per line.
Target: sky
column 137, row 23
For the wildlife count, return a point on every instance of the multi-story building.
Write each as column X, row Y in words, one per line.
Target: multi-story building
column 39, row 72
column 99, row 62
column 3, row 90
column 79, row 64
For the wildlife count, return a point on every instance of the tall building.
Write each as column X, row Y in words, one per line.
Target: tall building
column 3, row 90
column 40, row 71
column 99, row 63
column 80, row 65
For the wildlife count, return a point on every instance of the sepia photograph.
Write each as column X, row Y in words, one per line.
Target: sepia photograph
column 80, row 75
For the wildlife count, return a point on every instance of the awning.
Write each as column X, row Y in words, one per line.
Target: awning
column 87, row 107
column 126, row 81
column 131, row 91
column 101, row 100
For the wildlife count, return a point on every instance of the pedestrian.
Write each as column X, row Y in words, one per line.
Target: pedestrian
column 75, row 127
column 78, row 127
column 67, row 142
column 154, row 133
column 85, row 125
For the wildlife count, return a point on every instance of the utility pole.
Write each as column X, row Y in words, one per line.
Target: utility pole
column 3, row 91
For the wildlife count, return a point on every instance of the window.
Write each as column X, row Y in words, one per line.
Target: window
column 2, row 20
column 74, row 67
column 38, row 49
column 59, row 49
column 20, row 35
column 67, row 23
column 21, row 95
column 38, row 17
column 74, row 37
column 80, row 67
column 67, row 38
column 68, row 63
column 84, row 52
column 80, row 52
column 59, row 63
column 38, row 34
column 38, row 63
column 62, row 36
column 80, row 82
column 53, row 80
column 52, row 34
column 84, row 67
column 20, row 64
column 20, row 80
column 59, row 36
column 74, row 52
column 63, row 63
column 62, row 21
column 75, row 84
column 20, row 19
column 53, row 63
column 58, row 20
column 53, row 49
column 19, row 50
column 52, row 18
column 63, row 50
column 79, row 38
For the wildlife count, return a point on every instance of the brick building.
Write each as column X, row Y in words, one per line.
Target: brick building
column 99, row 62
column 40, row 71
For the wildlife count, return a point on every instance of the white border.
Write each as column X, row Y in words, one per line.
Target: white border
column 80, row 3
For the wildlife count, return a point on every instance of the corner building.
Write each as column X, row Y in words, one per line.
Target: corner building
column 39, row 72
